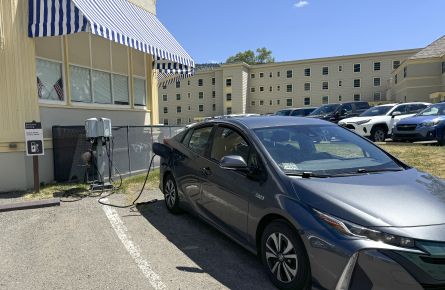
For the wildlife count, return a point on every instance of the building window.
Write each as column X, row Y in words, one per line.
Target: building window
column 201, row 108
column 340, row 83
column 357, row 67
column 307, row 101
column 213, row 94
column 178, row 84
column 325, row 71
column 289, row 102
column 49, row 80
column 395, row 64
column 178, row 97
column 289, row 74
column 377, row 96
column 395, row 79
column 214, row 107
column 261, row 89
column 270, row 88
column 325, row 100
column 340, row 68
column 252, row 76
column 165, row 98
column 166, row 122
column 165, row 110
column 213, row 81
column 405, row 72
column 325, row 86
column 120, row 85
column 356, row 83
column 178, row 121
column 270, row 74
column 377, row 82
column 307, row 86
column 228, row 97
column 339, row 98
column 357, row 97
column 307, row 72
column 252, row 90
column 278, row 88
column 178, row 109
column 229, row 110
column 201, row 95
column 278, row 74
column 289, row 88
column 252, row 103
column 228, row 82
column 261, row 103
column 278, row 102
column 261, row 75
column 200, row 82
column 377, row 66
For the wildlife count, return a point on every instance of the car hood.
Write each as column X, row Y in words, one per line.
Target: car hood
column 420, row 119
column 406, row 198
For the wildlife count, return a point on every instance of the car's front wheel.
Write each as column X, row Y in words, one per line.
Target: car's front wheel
column 171, row 195
column 284, row 257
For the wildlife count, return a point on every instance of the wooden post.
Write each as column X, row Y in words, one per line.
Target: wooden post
column 35, row 164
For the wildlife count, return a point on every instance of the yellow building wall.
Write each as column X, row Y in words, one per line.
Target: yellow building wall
column 18, row 92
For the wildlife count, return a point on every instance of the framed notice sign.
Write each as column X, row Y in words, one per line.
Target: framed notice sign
column 34, row 139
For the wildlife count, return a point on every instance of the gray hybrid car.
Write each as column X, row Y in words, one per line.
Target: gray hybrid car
column 321, row 206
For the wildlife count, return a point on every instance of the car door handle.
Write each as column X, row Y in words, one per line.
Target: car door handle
column 206, row 171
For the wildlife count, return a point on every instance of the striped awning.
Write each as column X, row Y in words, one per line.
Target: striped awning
column 116, row 20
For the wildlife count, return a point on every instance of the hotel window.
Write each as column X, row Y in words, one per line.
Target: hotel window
column 377, row 66
column 289, row 88
column 395, row 64
column 340, row 83
column 261, row 103
column 201, row 95
column 166, row 122
column 307, row 86
column 357, row 67
column 340, row 68
column 289, row 102
column 357, row 97
column 252, row 103
column 252, row 76
column 357, row 83
column 201, row 108
column 261, row 89
column 405, row 72
column 165, row 110
column 213, row 94
column 229, row 110
column 325, row 100
column 164, row 98
column 307, row 101
column 325, row 71
column 228, row 82
column 178, row 97
column 307, row 72
column 200, row 82
column 278, row 102
column 213, row 81
column 214, row 107
column 49, row 80
column 228, row 97
column 178, row 109
column 252, row 90
column 325, row 86
column 289, row 74
column 377, row 96
column 377, row 82
column 178, row 121
column 339, row 98
column 261, row 75
column 178, row 84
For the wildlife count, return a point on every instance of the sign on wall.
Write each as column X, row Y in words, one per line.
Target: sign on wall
column 34, row 138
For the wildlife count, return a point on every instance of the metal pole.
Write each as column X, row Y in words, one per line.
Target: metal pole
column 35, row 165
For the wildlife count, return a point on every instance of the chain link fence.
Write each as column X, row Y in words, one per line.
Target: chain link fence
column 131, row 150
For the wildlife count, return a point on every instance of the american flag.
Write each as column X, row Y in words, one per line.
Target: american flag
column 40, row 88
column 58, row 87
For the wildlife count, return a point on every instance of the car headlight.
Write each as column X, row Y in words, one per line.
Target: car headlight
column 430, row 123
column 362, row 122
column 352, row 230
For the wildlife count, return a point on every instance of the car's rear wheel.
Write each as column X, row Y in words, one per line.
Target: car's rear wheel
column 171, row 195
column 284, row 257
column 378, row 134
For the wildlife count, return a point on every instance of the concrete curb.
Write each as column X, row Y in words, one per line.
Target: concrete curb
column 30, row 205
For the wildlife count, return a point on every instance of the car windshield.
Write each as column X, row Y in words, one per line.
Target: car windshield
column 434, row 110
column 376, row 111
column 326, row 109
column 323, row 149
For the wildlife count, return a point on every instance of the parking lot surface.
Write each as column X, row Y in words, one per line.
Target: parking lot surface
column 84, row 245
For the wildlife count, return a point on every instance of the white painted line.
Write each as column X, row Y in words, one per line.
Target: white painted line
column 121, row 229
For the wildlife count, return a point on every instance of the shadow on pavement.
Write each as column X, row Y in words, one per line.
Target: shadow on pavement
column 213, row 252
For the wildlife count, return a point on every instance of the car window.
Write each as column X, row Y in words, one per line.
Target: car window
column 199, row 140
column 416, row 108
column 402, row 109
column 229, row 142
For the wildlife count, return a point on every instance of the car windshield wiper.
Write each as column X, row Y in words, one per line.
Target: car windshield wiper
column 364, row 170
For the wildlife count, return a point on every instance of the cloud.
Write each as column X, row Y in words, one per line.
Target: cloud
column 301, row 4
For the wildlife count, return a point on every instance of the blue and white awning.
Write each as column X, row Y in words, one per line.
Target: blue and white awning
column 117, row 20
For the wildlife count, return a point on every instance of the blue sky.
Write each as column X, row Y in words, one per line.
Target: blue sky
column 213, row 30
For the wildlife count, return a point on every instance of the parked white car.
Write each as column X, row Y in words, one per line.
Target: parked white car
column 377, row 122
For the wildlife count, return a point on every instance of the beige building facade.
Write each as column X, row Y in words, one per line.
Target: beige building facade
column 266, row 88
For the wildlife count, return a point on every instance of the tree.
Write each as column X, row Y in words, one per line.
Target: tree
column 263, row 55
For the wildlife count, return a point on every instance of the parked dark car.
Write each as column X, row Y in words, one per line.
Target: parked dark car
column 317, row 203
column 428, row 125
column 336, row 112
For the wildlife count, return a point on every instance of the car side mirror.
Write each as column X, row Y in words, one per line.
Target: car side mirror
column 233, row 162
column 161, row 150
column 396, row 113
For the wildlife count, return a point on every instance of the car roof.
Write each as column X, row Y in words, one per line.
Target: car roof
column 271, row 121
